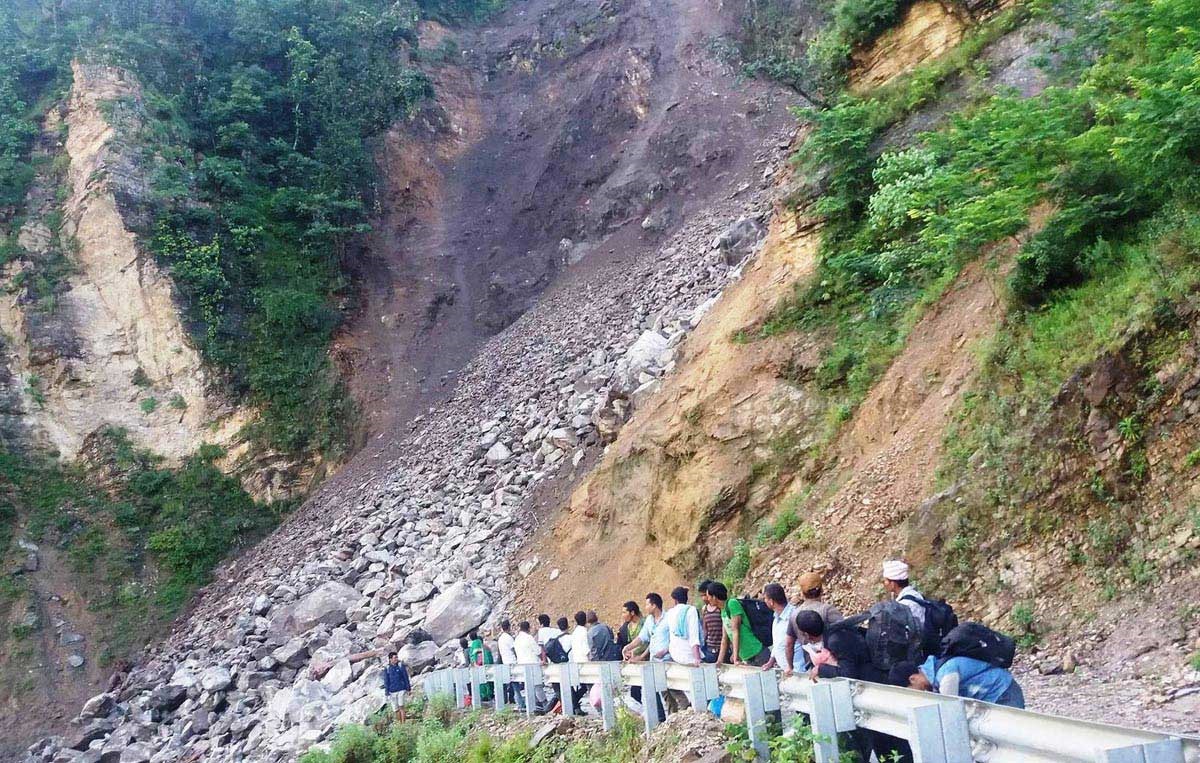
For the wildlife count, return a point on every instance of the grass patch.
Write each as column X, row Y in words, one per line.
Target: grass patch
column 442, row 737
column 139, row 546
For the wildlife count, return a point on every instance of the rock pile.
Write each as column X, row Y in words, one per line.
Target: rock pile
column 284, row 647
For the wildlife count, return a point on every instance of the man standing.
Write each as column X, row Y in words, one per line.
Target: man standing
column 682, row 624
column 812, row 588
column 602, row 645
column 529, row 652
column 631, row 625
column 738, row 639
column 545, row 632
column 396, row 685
column 579, row 653
column 710, row 624
column 508, row 656
column 784, row 653
column 683, row 629
column 895, row 581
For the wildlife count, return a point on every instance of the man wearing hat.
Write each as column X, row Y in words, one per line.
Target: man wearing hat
column 895, row 582
column 812, row 589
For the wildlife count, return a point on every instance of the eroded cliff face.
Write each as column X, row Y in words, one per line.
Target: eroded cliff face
column 94, row 336
column 741, row 428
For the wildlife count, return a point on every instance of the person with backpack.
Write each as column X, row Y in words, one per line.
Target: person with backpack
column 602, row 644
column 739, row 639
column 934, row 618
column 961, row 677
column 545, row 632
column 558, row 647
column 847, row 654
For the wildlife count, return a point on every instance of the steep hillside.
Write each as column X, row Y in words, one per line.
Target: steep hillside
column 591, row 153
column 966, row 341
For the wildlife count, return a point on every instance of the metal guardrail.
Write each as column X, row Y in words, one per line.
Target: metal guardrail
column 939, row 729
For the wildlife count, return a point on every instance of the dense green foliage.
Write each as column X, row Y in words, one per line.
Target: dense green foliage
column 773, row 42
column 1107, row 152
column 255, row 126
column 140, row 546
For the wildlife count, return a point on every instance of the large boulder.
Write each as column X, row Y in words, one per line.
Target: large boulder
column 216, row 678
column 456, row 611
column 98, row 706
column 326, row 605
column 420, row 656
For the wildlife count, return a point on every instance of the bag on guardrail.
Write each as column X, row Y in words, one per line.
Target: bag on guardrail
column 980, row 642
column 893, row 635
column 761, row 618
column 555, row 651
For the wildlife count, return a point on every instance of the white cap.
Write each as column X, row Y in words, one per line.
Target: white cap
column 895, row 569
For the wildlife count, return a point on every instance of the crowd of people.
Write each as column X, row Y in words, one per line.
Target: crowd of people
column 907, row 640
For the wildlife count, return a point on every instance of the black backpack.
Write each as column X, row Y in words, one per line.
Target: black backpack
column 939, row 621
column 979, row 642
column 893, row 635
column 555, row 651
column 761, row 618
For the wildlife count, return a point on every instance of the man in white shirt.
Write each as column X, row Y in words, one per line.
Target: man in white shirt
column 895, row 580
column 682, row 626
column 508, row 656
column 578, row 653
column 781, row 656
column 545, row 632
column 529, row 652
column 683, row 629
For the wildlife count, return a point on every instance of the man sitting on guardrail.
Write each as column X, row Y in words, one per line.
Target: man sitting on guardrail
column 739, row 639
column 961, row 677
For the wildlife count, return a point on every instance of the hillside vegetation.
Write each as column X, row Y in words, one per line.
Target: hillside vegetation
column 256, row 129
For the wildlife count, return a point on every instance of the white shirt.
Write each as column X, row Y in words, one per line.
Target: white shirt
column 546, row 633
column 527, row 649
column 508, row 653
column 779, row 629
column 918, row 611
column 579, row 644
column 682, row 624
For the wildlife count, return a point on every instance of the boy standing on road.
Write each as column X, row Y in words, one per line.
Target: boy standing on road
column 396, row 685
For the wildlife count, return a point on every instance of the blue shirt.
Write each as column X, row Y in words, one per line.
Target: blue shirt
column 658, row 636
column 976, row 679
column 395, row 678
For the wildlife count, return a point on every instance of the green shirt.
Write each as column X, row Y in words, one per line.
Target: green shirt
column 748, row 644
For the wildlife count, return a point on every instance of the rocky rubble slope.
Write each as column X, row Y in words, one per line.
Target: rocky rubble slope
column 415, row 545
column 266, row 667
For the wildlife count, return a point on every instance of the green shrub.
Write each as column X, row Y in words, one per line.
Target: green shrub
column 860, row 21
column 734, row 571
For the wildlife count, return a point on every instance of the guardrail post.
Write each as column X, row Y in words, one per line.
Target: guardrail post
column 477, row 682
column 762, row 698
column 832, row 713
column 654, row 680
column 938, row 733
column 533, row 682
column 704, row 686
column 460, row 687
column 501, row 677
column 610, row 684
column 568, row 677
column 1164, row 751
